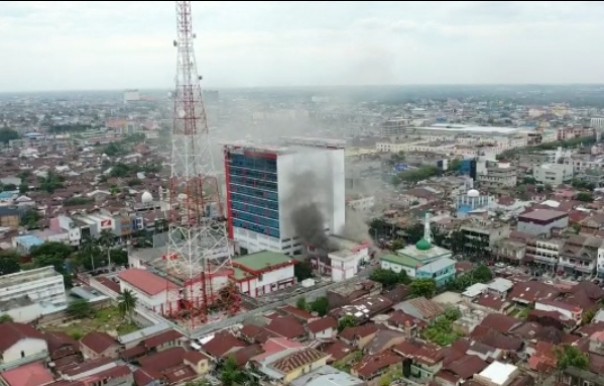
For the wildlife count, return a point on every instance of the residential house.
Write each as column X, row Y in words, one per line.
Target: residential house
column 291, row 366
column 404, row 323
column 384, row 340
column 568, row 310
column 529, row 292
column 573, row 376
column 359, row 336
column 422, row 359
column 580, row 254
column 33, row 374
column 287, row 327
column 324, row 328
column 222, row 345
column 421, row 308
column 99, row 344
column 20, row 343
column 328, row 375
column 9, row 217
column 459, row 370
column 374, row 366
column 338, row 352
column 175, row 365
column 62, row 348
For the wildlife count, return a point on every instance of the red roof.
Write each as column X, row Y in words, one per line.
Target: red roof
column 103, row 377
column 34, row 374
column 11, row 333
column 287, row 327
column 146, row 281
column 98, row 341
column 222, row 344
column 162, row 338
column 322, row 324
column 371, row 365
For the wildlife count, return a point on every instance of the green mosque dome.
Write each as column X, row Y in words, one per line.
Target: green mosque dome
column 423, row 245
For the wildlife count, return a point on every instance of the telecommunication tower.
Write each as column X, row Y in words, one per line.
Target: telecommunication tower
column 198, row 250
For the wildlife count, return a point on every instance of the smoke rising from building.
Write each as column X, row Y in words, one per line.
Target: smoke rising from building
column 309, row 223
column 355, row 228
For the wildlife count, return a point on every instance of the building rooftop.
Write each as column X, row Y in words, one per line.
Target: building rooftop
column 34, row 374
column 263, row 260
column 146, row 281
column 22, row 277
column 498, row 373
column 327, row 376
column 542, row 215
column 29, row 241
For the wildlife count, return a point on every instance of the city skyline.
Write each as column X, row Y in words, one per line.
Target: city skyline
column 117, row 45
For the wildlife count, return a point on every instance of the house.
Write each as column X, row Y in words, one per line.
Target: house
column 163, row 341
column 373, row 366
column 9, row 218
column 328, row 376
column 568, row 310
column 384, row 340
column 255, row 334
column 33, row 374
column 174, row 365
column 287, row 327
column 62, row 348
column 528, row 292
column 359, row 336
column 116, row 375
column 421, row 308
column 422, row 359
column 460, row 369
column 544, row 359
column 21, row 343
column 324, row 328
column 338, row 352
column 404, row 323
column 293, row 365
column 99, row 344
column 222, row 345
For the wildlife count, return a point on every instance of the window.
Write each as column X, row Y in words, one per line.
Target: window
column 22, row 354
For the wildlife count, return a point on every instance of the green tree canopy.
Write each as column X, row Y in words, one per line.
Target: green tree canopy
column 389, row 278
column 423, row 287
column 80, row 309
column 320, row 306
column 9, row 262
column 7, row 135
column 6, row 318
column 30, row 219
column 571, row 356
column 126, row 304
column 585, row 197
column 347, row 321
column 301, row 304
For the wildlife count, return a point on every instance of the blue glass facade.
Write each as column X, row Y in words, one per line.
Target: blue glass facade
column 252, row 192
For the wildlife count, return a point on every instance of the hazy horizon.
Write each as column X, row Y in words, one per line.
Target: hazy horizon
column 111, row 46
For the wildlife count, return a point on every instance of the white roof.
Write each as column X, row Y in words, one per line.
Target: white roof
column 551, row 203
column 498, row 373
column 475, row 290
column 500, row 284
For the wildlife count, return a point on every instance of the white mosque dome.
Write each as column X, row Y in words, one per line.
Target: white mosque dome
column 146, row 197
column 473, row 193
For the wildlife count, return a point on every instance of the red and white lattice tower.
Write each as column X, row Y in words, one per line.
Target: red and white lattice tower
column 198, row 247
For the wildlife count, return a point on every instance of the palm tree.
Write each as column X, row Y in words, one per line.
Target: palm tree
column 127, row 303
column 107, row 241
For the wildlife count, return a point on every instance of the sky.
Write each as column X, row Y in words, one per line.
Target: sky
column 94, row 45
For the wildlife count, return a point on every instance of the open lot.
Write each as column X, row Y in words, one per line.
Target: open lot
column 106, row 320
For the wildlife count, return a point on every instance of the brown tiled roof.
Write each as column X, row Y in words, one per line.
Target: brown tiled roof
column 256, row 334
column 163, row 360
column 351, row 333
column 467, row 366
column 162, row 338
column 11, row 333
column 57, row 339
column 98, row 341
column 297, row 360
column 337, row 350
column 221, row 344
column 499, row 322
column 420, row 351
column 297, row 313
column 287, row 327
column 372, row 364
column 532, row 291
column 322, row 324
column 83, row 367
column 243, row 356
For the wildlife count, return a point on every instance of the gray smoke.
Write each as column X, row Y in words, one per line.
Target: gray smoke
column 309, row 223
column 355, row 228
column 307, row 217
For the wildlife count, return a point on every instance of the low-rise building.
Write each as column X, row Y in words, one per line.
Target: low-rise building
column 150, row 289
column 542, row 221
column 42, row 285
column 20, row 344
column 263, row 272
column 553, row 174
column 9, row 217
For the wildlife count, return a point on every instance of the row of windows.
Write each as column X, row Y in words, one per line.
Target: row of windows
column 256, row 228
column 264, row 175
column 254, row 192
column 254, row 163
column 256, row 219
column 260, row 202
column 239, row 206
column 240, row 180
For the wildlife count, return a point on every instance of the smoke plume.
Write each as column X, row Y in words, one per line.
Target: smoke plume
column 355, row 228
column 308, row 222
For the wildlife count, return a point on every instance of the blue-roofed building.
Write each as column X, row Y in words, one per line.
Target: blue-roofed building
column 8, row 195
column 25, row 243
column 441, row 270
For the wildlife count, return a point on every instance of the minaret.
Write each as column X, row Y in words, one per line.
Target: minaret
column 427, row 233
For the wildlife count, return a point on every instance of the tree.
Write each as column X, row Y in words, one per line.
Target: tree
column 127, row 303
column 23, row 188
column 51, row 253
column 423, row 287
column 107, row 240
column 457, row 241
column 571, row 356
column 6, row 318
column 397, row 244
column 347, row 321
column 301, row 304
column 320, row 306
column 584, row 197
column 389, row 278
column 303, row 270
column 415, row 233
column 9, row 262
column 30, row 219
column 80, row 309
column 230, row 374
column 587, row 317
column 482, row 274
column 7, row 135
column 51, row 182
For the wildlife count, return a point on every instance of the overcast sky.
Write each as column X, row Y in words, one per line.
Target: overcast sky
column 114, row 44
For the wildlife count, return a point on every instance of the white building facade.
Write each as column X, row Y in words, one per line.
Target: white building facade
column 345, row 263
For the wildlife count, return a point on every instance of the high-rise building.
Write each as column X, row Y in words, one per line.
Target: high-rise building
column 276, row 193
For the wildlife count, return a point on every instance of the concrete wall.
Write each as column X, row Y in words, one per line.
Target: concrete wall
column 24, row 348
column 537, row 229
